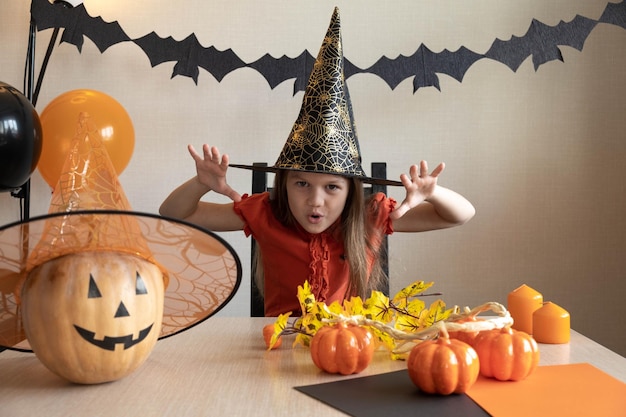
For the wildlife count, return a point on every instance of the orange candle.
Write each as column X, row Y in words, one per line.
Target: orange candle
column 551, row 324
column 522, row 303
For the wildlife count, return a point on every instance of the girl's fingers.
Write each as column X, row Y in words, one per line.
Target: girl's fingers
column 211, row 153
column 423, row 169
column 438, row 170
column 224, row 162
column 193, row 153
column 406, row 180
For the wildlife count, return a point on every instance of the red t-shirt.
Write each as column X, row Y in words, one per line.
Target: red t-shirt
column 292, row 255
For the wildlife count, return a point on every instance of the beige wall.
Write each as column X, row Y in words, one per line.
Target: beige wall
column 539, row 153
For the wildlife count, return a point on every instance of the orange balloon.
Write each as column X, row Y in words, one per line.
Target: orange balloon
column 59, row 122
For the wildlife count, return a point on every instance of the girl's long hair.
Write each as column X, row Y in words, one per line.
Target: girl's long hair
column 359, row 237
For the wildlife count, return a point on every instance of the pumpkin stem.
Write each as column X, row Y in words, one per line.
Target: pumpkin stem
column 443, row 331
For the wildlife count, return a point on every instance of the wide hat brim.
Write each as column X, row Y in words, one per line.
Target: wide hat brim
column 203, row 271
column 363, row 178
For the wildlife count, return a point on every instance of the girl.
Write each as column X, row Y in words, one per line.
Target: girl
column 317, row 226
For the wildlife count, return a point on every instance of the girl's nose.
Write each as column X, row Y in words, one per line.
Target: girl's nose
column 315, row 198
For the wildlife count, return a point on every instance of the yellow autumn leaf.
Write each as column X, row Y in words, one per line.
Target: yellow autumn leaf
column 335, row 308
column 407, row 323
column 415, row 307
column 378, row 307
column 412, row 290
column 281, row 322
column 279, row 326
column 399, row 356
column 321, row 311
column 387, row 341
column 436, row 312
column 302, row 339
column 446, row 314
column 354, row 307
column 400, row 303
column 311, row 324
column 306, row 297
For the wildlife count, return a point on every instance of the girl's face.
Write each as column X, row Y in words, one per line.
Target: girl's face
column 316, row 200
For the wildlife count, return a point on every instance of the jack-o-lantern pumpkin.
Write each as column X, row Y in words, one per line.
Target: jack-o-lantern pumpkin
column 93, row 317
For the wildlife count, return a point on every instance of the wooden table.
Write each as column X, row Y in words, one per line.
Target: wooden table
column 218, row 368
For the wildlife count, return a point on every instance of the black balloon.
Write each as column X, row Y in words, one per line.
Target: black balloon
column 20, row 138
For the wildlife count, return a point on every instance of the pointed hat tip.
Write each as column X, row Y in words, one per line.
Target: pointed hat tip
column 335, row 18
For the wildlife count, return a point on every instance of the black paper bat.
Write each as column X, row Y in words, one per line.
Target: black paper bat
column 277, row 70
column 189, row 54
column 77, row 24
column 424, row 65
column 614, row 14
column 541, row 41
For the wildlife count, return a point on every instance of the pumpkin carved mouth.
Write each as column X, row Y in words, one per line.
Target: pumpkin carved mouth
column 109, row 342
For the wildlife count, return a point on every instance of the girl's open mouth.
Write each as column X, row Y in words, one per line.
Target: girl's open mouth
column 315, row 218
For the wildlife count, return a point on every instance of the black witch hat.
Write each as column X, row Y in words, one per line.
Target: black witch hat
column 323, row 138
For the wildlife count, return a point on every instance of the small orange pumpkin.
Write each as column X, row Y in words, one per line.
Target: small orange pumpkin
column 506, row 354
column 443, row 366
column 93, row 317
column 342, row 348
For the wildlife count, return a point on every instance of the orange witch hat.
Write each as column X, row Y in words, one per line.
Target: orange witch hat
column 88, row 181
column 89, row 211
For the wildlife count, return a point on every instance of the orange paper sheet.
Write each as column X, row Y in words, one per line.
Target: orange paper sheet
column 558, row 390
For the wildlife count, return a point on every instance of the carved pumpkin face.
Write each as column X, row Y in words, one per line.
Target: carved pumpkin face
column 93, row 317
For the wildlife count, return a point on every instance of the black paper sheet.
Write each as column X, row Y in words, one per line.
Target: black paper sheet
column 390, row 394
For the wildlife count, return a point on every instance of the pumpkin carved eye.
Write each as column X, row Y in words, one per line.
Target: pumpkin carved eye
column 94, row 292
column 140, row 286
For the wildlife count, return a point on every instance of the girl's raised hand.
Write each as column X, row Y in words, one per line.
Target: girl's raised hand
column 211, row 170
column 419, row 185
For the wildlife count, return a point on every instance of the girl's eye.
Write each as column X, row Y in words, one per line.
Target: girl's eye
column 333, row 187
column 301, row 183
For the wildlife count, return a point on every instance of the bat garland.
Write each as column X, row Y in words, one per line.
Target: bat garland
column 541, row 41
